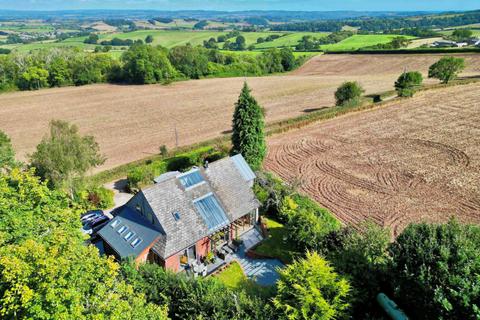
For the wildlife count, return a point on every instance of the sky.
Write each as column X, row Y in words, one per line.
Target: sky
column 231, row 5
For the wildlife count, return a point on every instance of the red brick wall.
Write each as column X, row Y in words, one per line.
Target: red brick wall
column 173, row 263
column 202, row 247
column 143, row 256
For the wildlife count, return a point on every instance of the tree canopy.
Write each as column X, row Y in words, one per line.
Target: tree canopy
column 64, row 155
column 408, row 83
column 144, row 64
column 310, row 289
column 437, row 268
column 7, row 154
column 446, row 69
column 348, row 93
column 248, row 136
column 46, row 270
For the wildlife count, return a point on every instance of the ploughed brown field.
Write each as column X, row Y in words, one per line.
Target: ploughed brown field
column 414, row 160
column 131, row 122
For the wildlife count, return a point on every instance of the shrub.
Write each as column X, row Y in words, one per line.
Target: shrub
column 90, row 198
column 310, row 289
column 348, row 93
column 407, row 83
column 446, row 69
column 362, row 256
column 436, row 270
column 138, row 176
column 163, row 150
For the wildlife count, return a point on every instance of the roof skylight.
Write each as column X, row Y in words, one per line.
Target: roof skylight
column 136, row 242
column 191, row 179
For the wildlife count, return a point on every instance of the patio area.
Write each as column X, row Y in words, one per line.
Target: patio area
column 262, row 271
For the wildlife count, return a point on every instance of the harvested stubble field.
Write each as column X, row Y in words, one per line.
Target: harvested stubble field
column 131, row 122
column 412, row 160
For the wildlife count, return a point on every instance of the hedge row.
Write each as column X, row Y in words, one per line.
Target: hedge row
column 144, row 174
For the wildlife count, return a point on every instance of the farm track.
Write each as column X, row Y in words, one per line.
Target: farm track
column 413, row 160
column 131, row 122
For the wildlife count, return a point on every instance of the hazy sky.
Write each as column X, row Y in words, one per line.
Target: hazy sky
column 308, row 5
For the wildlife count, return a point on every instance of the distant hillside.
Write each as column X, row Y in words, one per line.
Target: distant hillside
column 279, row 16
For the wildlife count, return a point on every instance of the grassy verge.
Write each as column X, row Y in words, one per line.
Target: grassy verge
column 276, row 244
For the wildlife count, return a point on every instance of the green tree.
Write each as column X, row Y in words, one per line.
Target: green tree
column 310, row 289
column 92, row 39
column 241, row 43
column 33, row 78
column 46, row 270
column 408, row 83
column 288, row 59
column 462, row 35
column 349, row 93
column 191, row 61
column 248, row 136
column 363, row 257
column 143, row 64
column 446, row 69
column 149, row 39
column 7, row 154
column 64, row 155
column 192, row 299
column 59, row 73
column 436, row 270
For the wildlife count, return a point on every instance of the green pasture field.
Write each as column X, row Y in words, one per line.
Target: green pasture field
column 476, row 32
column 361, row 41
column 173, row 38
column 290, row 40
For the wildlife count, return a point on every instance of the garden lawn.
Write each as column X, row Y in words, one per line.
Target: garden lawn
column 232, row 276
column 275, row 245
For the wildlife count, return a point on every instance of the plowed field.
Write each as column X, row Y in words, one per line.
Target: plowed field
column 413, row 160
column 131, row 122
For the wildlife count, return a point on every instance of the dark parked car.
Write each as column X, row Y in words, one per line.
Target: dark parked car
column 90, row 216
column 93, row 226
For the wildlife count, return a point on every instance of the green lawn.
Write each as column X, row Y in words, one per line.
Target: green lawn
column 232, row 276
column 276, row 245
column 290, row 40
column 360, row 41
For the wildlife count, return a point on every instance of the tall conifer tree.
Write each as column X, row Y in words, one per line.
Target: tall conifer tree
column 248, row 136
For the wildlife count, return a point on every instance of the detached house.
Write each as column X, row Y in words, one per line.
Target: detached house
column 184, row 216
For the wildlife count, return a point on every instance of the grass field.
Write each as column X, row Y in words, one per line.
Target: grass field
column 290, row 40
column 172, row 38
column 360, row 41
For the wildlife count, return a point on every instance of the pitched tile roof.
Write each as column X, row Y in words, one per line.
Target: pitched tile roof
column 170, row 205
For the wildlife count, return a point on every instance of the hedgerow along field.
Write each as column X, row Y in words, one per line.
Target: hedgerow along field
column 413, row 160
column 131, row 122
